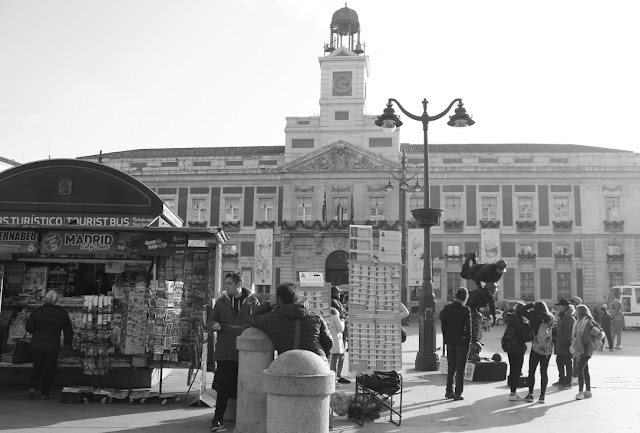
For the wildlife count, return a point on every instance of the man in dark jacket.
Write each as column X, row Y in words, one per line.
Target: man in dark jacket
column 291, row 325
column 456, row 331
column 605, row 320
column 229, row 318
column 46, row 323
column 564, row 330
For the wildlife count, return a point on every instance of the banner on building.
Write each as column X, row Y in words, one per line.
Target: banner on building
column 263, row 257
column 18, row 241
column 490, row 245
column 360, row 243
column 390, row 246
column 415, row 249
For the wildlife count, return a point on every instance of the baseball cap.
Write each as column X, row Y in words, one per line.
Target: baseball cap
column 576, row 300
column 563, row 302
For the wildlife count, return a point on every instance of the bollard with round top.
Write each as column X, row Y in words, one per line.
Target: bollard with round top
column 255, row 355
column 298, row 385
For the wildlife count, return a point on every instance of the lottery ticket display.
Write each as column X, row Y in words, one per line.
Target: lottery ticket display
column 375, row 336
column 315, row 292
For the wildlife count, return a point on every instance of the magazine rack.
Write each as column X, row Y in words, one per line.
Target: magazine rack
column 367, row 397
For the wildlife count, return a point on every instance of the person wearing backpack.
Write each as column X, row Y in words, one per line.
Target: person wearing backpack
column 541, row 346
column 564, row 329
column 582, row 347
column 516, row 334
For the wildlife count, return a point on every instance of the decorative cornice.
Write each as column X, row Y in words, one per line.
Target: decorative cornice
column 376, row 189
column 265, row 224
column 340, row 188
column 612, row 188
column 303, row 189
column 489, row 224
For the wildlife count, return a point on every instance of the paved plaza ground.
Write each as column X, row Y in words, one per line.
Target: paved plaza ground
column 614, row 406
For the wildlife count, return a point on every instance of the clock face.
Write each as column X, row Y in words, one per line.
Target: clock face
column 342, row 83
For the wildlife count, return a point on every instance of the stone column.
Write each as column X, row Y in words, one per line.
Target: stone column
column 299, row 385
column 255, row 355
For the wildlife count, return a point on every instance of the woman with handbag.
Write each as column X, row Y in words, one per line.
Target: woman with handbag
column 587, row 339
column 46, row 323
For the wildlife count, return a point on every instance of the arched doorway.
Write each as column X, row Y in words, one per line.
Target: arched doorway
column 337, row 268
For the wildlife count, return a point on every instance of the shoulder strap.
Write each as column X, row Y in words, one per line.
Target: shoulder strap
column 296, row 341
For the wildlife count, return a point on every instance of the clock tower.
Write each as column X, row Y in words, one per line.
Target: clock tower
column 344, row 70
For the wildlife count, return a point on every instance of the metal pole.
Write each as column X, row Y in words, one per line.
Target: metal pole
column 403, row 247
column 427, row 359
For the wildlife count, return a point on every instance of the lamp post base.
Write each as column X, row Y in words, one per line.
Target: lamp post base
column 427, row 360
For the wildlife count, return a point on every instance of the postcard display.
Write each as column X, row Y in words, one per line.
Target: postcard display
column 374, row 303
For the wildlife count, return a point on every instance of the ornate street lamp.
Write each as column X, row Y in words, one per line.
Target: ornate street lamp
column 427, row 358
column 402, row 195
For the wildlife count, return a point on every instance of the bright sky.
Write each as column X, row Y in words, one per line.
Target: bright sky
column 80, row 76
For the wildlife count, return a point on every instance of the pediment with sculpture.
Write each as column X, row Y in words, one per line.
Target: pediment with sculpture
column 342, row 156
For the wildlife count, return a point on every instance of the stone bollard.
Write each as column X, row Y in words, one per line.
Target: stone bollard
column 255, row 354
column 299, row 385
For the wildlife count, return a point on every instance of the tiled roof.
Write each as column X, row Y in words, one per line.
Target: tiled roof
column 9, row 161
column 197, row 152
column 509, row 148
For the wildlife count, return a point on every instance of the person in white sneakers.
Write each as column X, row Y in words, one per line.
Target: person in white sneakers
column 582, row 347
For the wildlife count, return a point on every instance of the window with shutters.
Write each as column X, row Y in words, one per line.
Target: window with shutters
column 376, row 208
column 561, row 208
column 612, row 208
column 489, row 208
column 266, row 209
column 527, row 286
column 199, row 210
column 525, row 208
column 564, row 285
column 232, row 208
column 453, row 208
column 304, row 208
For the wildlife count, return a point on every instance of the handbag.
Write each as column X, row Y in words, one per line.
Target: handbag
column 22, row 352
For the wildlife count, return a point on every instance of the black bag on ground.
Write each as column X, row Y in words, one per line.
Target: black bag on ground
column 22, row 352
column 383, row 382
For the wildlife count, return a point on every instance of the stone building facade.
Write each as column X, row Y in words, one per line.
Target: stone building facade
column 565, row 217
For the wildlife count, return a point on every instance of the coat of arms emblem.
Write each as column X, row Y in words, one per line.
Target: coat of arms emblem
column 65, row 186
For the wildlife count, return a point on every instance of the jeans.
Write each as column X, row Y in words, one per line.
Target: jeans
column 44, row 370
column 534, row 359
column 609, row 338
column 565, row 368
column 515, row 370
column 456, row 363
column 337, row 361
column 618, row 335
column 584, row 379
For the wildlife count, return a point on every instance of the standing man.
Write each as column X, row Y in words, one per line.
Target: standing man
column 566, row 320
column 456, row 331
column 46, row 323
column 575, row 301
column 230, row 317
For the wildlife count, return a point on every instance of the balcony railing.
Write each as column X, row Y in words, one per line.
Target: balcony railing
column 201, row 224
column 229, row 256
column 526, row 226
column 231, row 226
column 562, row 226
column 563, row 257
column 453, row 225
column 489, row 224
column 457, row 257
column 265, row 224
column 613, row 226
column 338, row 225
column 527, row 257
column 615, row 257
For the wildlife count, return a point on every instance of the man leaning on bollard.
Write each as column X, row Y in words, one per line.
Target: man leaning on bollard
column 229, row 319
column 291, row 325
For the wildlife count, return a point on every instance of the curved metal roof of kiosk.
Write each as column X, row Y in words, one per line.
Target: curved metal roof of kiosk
column 71, row 187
